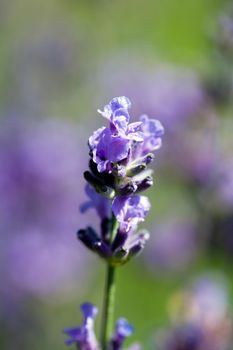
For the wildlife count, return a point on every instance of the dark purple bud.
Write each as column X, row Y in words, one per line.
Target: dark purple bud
column 102, row 249
column 89, row 237
column 127, row 189
column 119, row 240
column 98, row 185
column 105, row 178
column 93, row 168
column 105, row 229
column 144, row 184
column 95, row 182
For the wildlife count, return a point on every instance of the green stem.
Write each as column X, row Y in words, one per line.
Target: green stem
column 109, row 296
column 108, row 307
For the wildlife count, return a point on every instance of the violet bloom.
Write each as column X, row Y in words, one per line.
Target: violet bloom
column 117, row 114
column 121, row 152
column 84, row 336
column 152, row 131
column 129, row 211
column 109, row 149
column 123, row 330
column 110, row 145
column 174, row 94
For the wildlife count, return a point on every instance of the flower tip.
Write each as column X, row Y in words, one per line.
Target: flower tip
column 89, row 310
column 124, row 328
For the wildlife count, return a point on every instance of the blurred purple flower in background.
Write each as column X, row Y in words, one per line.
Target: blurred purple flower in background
column 173, row 245
column 173, row 94
column 40, row 180
column 200, row 317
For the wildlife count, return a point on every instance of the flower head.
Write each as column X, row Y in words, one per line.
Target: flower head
column 115, row 145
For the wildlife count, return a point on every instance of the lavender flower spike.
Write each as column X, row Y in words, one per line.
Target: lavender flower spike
column 84, row 336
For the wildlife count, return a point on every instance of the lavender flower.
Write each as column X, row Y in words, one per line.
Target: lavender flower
column 129, row 211
column 118, row 171
column 119, row 156
column 123, row 150
column 84, row 336
column 123, row 330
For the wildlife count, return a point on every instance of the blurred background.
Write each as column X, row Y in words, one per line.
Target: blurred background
column 60, row 61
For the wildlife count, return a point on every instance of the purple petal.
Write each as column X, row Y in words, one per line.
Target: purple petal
column 89, row 310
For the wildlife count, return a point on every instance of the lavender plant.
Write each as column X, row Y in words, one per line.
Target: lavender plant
column 118, row 173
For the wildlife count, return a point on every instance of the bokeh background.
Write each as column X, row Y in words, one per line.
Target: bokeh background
column 60, row 61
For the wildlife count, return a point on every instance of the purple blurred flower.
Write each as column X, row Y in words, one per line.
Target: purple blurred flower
column 84, row 336
column 222, row 185
column 197, row 151
column 224, row 35
column 172, row 246
column 209, row 300
column 187, row 337
column 172, row 93
column 129, row 211
column 201, row 319
column 123, row 330
column 40, row 197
